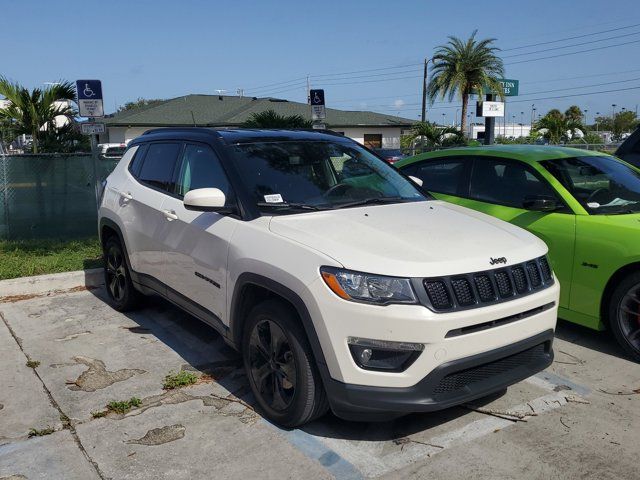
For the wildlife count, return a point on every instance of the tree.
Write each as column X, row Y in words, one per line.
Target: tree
column 464, row 68
column 140, row 102
column 429, row 135
column 34, row 112
column 624, row 122
column 557, row 127
column 271, row 119
column 574, row 113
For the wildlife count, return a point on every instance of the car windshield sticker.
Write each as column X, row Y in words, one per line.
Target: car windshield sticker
column 274, row 198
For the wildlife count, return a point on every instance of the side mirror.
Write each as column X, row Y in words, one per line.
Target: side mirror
column 540, row 203
column 416, row 180
column 205, row 200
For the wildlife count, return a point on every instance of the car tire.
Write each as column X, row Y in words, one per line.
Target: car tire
column 117, row 277
column 624, row 314
column 280, row 366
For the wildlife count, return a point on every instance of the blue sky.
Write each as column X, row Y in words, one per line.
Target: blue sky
column 164, row 49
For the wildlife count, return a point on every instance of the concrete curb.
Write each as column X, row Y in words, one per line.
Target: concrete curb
column 42, row 284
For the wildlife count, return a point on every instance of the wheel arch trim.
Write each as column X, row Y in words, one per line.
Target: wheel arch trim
column 253, row 279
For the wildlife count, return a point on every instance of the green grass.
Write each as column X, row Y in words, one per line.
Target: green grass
column 34, row 432
column 24, row 258
column 180, row 379
column 99, row 413
column 123, row 406
column 33, row 363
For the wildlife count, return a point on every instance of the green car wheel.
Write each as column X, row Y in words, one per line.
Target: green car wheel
column 624, row 314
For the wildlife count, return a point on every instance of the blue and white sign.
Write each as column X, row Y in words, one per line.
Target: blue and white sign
column 89, row 94
column 316, row 98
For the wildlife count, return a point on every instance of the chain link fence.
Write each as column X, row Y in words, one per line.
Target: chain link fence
column 50, row 195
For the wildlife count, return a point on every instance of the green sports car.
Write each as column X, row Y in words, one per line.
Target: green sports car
column 584, row 205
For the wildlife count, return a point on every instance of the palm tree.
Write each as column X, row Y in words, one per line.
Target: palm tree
column 464, row 68
column 34, row 112
column 558, row 127
column 271, row 119
column 430, row 135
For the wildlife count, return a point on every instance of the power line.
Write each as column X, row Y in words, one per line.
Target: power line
column 537, row 99
column 569, row 38
column 580, row 76
column 572, row 45
column 573, row 53
column 276, row 83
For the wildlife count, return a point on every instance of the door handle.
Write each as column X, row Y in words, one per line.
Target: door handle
column 127, row 196
column 170, row 215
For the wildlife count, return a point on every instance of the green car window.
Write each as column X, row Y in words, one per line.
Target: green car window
column 603, row 185
column 505, row 182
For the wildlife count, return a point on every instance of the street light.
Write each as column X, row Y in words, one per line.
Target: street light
column 443, row 115
column 533, row 113
column 585, row 116
column 613, row 111
column 597, row 115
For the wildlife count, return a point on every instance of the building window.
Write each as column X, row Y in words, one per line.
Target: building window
column 373, row 140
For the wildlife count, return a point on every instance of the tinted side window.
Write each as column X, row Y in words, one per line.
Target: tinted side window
column 158, row 165
column 136, row 163
column 201, row 168
column 441, row 175
column 505, row 182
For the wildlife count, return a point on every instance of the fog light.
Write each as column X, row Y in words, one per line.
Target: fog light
column 365, row 355
column 383, row 355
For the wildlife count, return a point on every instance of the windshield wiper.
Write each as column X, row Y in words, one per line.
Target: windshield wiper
column 292, row 206
column 371, row 201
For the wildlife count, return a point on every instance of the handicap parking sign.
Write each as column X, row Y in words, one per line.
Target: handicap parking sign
column 89, row 94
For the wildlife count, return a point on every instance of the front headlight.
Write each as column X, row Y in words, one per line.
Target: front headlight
column 367, row 287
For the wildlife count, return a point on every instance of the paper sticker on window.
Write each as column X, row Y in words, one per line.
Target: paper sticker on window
column 274, row 198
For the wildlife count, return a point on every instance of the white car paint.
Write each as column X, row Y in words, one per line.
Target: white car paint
column 421, row 239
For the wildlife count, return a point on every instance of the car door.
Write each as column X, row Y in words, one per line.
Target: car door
column 142, row 195
column 499, row 187
column 196, row 243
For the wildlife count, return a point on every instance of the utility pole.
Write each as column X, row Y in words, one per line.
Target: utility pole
column 424, row 91
column 308, row 91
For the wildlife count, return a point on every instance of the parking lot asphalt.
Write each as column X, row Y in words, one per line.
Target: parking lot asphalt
column 578, row 419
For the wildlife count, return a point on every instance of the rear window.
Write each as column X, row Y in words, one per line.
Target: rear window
column 158, row 165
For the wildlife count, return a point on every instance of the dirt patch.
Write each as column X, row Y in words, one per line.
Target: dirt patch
column 14, row 477
column 19, row 298
column 98, row 377
column 159, row 436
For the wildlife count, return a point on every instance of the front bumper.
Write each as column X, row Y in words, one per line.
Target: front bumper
column 451, row 383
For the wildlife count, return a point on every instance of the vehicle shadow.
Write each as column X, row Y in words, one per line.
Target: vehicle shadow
column 600, row 341
column 198, row 343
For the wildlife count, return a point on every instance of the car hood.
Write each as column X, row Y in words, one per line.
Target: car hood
column 416, row 239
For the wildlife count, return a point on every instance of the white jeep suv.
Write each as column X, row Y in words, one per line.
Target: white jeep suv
column 343, row 284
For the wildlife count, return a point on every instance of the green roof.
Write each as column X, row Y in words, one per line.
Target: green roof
column 231, row 111
column 525, row 153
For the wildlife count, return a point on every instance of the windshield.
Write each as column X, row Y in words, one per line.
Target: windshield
column 603, row 185
column 299, row 175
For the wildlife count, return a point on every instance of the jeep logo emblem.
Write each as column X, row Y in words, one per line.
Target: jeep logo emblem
column 494, row 261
